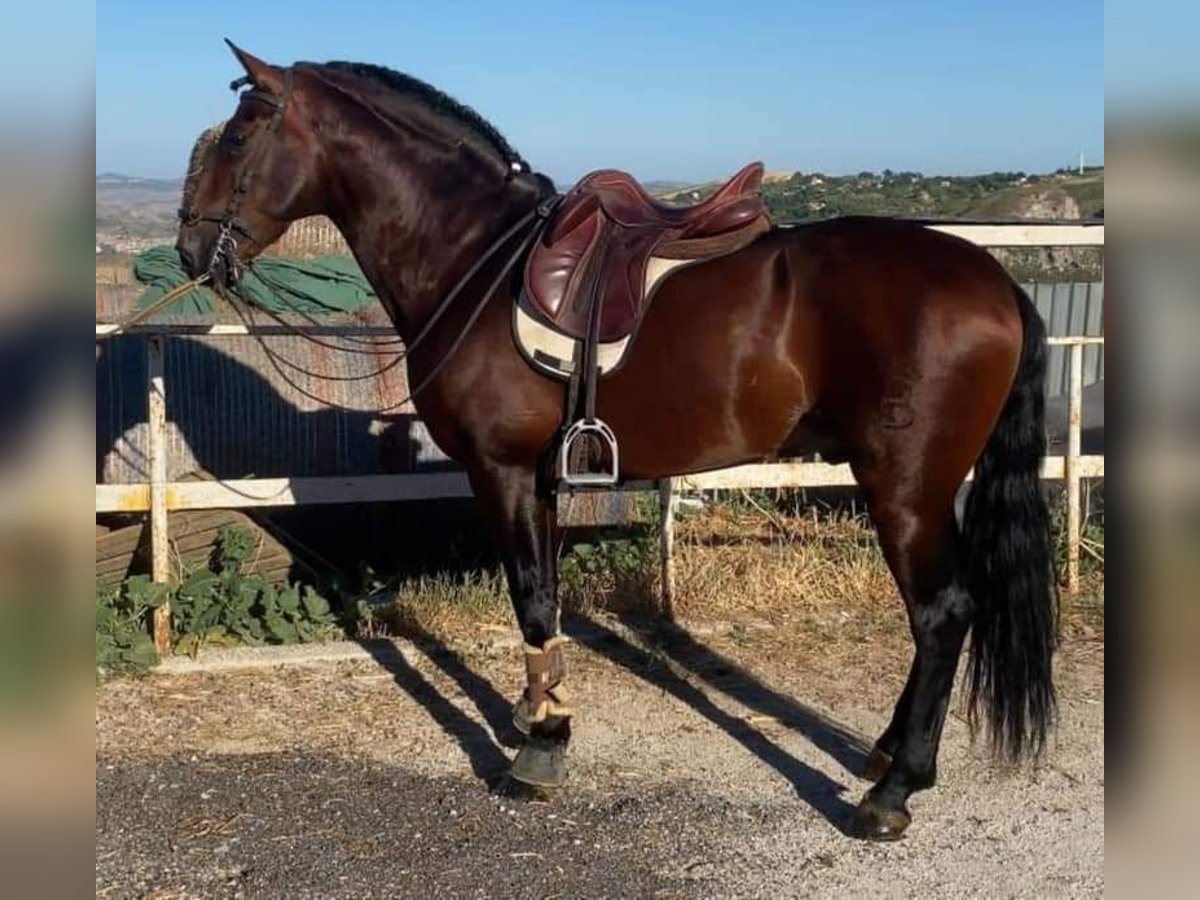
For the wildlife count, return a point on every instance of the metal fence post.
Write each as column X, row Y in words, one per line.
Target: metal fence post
column 160, row 560
column 668, row 500
column 1074, row 427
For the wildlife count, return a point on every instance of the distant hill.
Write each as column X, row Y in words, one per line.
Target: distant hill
column 660, row 186
column 1061, row 196
column 115, row 179
column 805, row 196
column 133, row 213
column 811, row 195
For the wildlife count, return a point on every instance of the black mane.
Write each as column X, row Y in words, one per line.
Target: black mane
column 433, row 98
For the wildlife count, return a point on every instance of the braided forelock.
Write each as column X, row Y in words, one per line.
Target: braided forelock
column 201, row 150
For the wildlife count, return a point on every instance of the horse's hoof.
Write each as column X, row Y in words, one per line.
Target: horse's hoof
column 877, row 765
column 873, row 822
column 541, row 763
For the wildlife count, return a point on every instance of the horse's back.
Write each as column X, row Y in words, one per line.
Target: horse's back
column 824, row 321
column 890, row 291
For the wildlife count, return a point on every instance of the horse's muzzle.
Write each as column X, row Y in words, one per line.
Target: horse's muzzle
column 189, row 259
column 202, row 251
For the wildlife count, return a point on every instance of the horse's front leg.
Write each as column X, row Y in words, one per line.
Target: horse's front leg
column 529, row 539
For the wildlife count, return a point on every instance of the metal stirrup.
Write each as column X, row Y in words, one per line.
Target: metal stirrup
column 580, row 431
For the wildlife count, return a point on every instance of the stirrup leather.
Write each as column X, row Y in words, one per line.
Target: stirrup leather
column 545, row 693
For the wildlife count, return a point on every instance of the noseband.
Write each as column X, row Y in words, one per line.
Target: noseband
column 227, row 220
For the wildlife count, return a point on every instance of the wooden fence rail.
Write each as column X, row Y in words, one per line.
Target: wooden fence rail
column 159, row 496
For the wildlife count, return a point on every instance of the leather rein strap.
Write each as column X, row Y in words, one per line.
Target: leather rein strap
column 165, row 300
column 539, row 215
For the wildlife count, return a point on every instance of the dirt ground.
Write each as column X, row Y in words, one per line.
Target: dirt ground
column 711, row 761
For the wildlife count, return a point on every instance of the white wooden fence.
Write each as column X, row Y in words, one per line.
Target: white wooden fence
column 159, row 496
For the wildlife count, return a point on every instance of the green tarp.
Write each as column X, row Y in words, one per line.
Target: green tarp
column 321, row 286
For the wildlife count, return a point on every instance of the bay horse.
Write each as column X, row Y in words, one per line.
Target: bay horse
column 909, row 353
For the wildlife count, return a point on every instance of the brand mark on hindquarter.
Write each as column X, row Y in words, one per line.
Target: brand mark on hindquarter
column 895, row 406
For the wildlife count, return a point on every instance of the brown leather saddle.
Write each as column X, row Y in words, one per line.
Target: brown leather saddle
column 593, row 273
column 610, row 245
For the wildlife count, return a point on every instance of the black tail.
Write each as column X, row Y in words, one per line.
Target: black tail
column 1007, row 532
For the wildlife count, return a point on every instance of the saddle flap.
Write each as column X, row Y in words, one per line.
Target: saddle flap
column 571, row 215
column 555, row 263
column 621, row 288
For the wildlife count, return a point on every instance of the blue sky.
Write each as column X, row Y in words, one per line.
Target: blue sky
column 666, row 90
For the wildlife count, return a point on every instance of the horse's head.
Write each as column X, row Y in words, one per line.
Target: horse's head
column 245, row 187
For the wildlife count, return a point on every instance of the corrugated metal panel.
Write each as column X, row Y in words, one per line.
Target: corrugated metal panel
column 1071, row 308
column 232, row 414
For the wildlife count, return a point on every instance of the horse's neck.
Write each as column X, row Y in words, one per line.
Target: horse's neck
column 413, row 252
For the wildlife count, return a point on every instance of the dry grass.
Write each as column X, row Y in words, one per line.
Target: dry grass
column 114, row 268
column 815, row 587
column 824, row 574
column 444, row 605
column 306, row 238
column 733, row 559
column 814, row 584
column 776, row 565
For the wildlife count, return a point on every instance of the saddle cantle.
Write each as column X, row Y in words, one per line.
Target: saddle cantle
column 607, row 250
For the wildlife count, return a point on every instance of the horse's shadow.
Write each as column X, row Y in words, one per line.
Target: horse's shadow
column 483, row 746
column 673, row 647
column 232, row 416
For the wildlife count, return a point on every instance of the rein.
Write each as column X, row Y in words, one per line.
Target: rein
column 165, row 300
column 539, row 215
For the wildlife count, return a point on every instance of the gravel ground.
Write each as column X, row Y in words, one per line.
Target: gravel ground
column 714, row 767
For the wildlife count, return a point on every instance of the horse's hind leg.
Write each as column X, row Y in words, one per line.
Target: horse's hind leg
column 920, row 542
column 529, row 538
column 885, row 749
column 888, row 744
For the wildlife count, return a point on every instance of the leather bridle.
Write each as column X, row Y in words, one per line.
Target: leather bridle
column 531, row 223
column 228, row 221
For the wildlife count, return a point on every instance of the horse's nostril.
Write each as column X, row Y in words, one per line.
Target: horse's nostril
column 188, row 260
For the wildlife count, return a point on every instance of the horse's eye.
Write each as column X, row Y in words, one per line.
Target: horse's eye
column 236, row 141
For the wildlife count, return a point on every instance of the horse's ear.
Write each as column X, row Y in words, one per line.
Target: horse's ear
column 263, row 76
